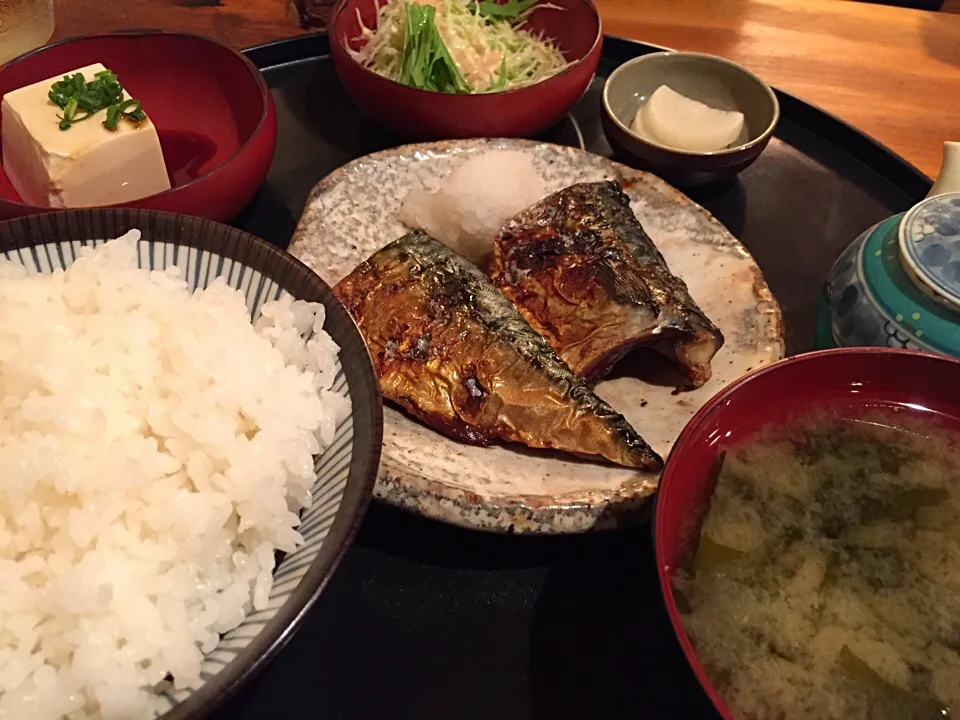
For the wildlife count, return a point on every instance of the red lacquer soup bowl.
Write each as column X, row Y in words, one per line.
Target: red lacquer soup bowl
column 424, row 115
column 212, row 109
column 848, row 381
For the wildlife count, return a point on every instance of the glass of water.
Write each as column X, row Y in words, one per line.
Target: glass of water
column 24, row 25
column 314, row 14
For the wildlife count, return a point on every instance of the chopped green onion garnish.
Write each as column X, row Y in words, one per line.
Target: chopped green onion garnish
column 123, row 109
column 79, row 100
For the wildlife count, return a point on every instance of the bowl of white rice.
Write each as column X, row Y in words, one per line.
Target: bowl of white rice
column 190, row 429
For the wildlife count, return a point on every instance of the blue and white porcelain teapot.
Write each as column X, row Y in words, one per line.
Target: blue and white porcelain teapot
column 898, row 284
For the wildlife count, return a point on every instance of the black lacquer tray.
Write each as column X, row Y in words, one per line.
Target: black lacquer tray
column 428, row 621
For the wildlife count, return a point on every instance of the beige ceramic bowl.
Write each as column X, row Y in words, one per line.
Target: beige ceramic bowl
column 705, row 78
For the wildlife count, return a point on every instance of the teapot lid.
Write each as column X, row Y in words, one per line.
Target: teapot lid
column 929, row 237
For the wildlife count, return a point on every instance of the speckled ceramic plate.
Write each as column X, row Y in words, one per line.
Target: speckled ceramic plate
column 352, row 213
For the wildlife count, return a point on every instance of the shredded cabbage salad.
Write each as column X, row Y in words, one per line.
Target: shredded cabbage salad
column 456, row 46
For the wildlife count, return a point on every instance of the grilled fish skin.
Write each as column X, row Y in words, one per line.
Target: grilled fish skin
column 454, row 352
column 587, row 277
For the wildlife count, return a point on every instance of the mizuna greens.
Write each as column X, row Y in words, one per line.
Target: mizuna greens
column 427, row 63
column 461, row 47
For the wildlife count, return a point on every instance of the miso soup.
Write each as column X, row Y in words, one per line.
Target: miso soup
column 826, row 580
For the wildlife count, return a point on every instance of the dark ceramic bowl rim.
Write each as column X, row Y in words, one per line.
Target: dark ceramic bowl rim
column 341, row 43
column 717, row 404
column 761, row 138
column 263, row 646
column 265, row 96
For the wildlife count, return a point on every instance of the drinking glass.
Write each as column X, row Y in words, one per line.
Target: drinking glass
column 24, row 25
column 313, row 14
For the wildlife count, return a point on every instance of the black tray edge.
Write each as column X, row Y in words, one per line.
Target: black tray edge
column 876, row 156
column 287, row 50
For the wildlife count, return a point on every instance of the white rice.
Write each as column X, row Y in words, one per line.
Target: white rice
column 155, row 449
column 467, row 211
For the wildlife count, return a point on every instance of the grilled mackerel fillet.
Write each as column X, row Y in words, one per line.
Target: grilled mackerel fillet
column 454, row 352
column 586, row 276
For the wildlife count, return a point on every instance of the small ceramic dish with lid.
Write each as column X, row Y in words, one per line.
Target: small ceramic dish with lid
column 713, row 81
column 898, row 283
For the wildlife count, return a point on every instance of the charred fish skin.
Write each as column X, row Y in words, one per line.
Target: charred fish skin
column 452, row 351
column 586, row 276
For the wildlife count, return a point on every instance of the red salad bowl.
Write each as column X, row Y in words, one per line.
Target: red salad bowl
column 848, row 380
column 213, row 111
column 425, row 115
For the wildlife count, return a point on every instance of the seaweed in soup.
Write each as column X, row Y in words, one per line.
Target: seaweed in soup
column 826, row 580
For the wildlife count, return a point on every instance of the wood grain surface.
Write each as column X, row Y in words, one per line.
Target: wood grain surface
column 893, row 72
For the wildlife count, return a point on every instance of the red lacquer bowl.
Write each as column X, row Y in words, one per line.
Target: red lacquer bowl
column 424, row 115
column 212, row 109
column 848, row 380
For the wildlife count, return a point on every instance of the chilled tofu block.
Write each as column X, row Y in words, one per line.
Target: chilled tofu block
column 83, row 166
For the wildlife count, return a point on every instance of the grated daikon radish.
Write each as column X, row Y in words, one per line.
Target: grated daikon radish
column 466, row 211
column 684, row 124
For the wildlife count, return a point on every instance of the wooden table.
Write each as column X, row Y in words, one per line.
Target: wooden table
column 892, row 72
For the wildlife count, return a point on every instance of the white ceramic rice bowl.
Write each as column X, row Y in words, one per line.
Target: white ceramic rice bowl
column 345, row 470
